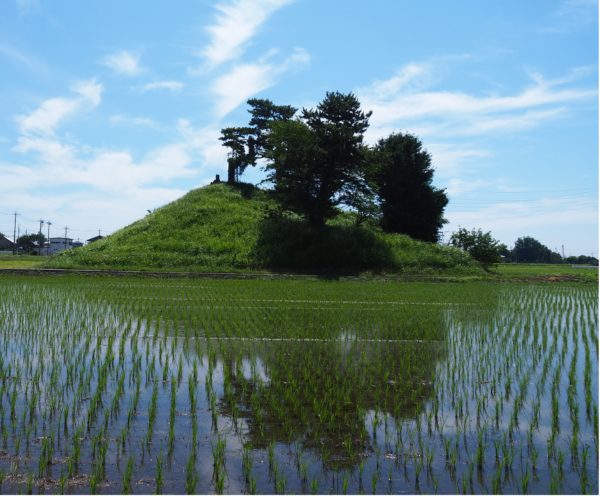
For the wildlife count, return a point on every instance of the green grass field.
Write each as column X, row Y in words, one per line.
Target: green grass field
column 548, row 271
column 21, row 261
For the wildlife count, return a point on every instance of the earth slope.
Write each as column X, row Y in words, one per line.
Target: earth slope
column 223, row 228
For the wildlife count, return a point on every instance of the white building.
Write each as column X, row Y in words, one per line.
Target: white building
column 61, row 244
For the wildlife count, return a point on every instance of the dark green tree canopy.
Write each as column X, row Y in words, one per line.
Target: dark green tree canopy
column 31, row 243
column 402, row 175
column 264, row 113
column 247, row 144
column 316, row 161
column 528, row 249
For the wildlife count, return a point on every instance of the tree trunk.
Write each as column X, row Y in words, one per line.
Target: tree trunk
column 231, row 171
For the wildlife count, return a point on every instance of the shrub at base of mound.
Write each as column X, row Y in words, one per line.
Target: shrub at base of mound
column 292, row 244
column 286, row 243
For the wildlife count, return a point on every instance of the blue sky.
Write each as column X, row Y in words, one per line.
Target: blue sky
column 111, row 108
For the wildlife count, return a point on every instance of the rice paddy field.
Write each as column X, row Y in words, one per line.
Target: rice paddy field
column 141, row 385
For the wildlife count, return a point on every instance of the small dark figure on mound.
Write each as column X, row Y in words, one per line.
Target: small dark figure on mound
column 217, row 180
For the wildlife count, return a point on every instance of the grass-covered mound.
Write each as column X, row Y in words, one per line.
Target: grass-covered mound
column 224, row 228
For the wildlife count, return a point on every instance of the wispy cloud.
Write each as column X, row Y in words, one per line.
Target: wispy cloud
column 457, row 186
column 124, row 63
column 573, row 16
column 163, row 85
column 205, row 142
column 246, row 80
column 45, row 119
column 545, row 212
column 237, row 21
column 402, row 99
column 58, row 164
column 23, row 58
column 452, row 158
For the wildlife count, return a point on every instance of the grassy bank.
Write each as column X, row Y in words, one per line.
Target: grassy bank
column 222, row 228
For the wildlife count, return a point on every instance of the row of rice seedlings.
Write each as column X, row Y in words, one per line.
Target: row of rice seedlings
column 141, row 361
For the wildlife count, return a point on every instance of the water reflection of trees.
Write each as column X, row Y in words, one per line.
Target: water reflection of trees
column 318, row 394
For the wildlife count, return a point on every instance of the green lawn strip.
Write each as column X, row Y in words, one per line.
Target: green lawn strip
column 21, row 261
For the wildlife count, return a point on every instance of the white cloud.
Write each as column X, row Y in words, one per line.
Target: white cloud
column 122, row 119
column 51, row 112
column 109, row 170
column 246, row 80
column 90, row 91
column 406, row 77
column 205, row 142
column 48, row 150
column 457, row 186
column 163, row 85
column 113, row 187
column 394, row 101
column 450, row 158
column 237, row 21
column 511, row 123
column 406, row 102
column 124, row 63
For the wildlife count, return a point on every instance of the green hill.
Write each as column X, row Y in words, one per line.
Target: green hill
column 225, row 228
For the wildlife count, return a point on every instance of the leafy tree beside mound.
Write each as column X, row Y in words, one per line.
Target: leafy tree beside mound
column 403, row 175
column 481, row 246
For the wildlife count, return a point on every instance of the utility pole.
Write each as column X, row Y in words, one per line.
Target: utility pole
column 40, row 237
column 563, row 250
column 48, row 223
column 15, row 234
column 66, row 229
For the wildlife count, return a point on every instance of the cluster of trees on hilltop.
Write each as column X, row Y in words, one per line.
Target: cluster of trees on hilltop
column 317, row 161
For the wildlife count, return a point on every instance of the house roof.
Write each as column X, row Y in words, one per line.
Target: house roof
column 5, row 240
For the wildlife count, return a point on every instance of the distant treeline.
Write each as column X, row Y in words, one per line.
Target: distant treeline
column 530, row 250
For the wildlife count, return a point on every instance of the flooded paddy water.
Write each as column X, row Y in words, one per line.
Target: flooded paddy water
column 111, row 385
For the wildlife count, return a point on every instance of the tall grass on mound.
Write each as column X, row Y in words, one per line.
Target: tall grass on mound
column 224, row 228
column 211, row 228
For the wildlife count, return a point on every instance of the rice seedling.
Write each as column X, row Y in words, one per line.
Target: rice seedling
column 126, row 482
column 191, row 477
column 159, row 478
